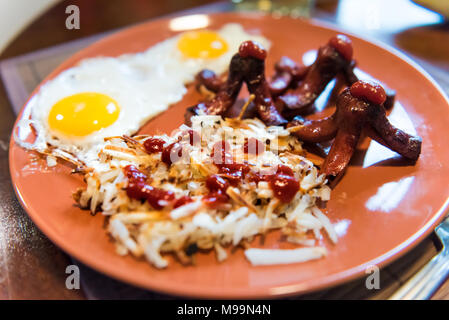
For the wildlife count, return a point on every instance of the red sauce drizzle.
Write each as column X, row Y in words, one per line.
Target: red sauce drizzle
column 172, row 153
column 140, row 190
column 252, row 49
column 136, row 182
column 284, row 187
column 230, row 173
column 281, row 169
column 223, row 159
column 217, row 187
column 215, row 199
column 216, row 183
column 254, row 146
column 182, row 201
column 283, row 183
column 285, row 170
column 153, row 145
column 343, row 45
column 235, row 172
column 257, row 177
column 159, row 198
column 370, row 91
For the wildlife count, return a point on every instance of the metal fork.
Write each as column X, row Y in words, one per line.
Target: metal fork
column 424, row 283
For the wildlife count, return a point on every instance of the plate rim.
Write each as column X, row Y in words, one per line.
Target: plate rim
column 274, row 291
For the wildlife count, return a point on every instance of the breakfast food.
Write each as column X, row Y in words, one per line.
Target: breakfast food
column 217, row 183
column 306, row 83
column 332, row 58
column 248, row 65
column 362, row 106
column 108, row 96
column 358, row 107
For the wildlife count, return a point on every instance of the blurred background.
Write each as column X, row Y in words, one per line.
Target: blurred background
column 22, row 19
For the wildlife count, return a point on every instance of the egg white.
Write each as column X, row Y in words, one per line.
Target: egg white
column 143, row 84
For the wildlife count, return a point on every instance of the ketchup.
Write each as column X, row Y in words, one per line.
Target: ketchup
column 284, row 187
column 215, row 199
column 172, row 153
column 217, row 187
column 281, row 169
column 257, row 177
column 254, row 146
column 182, row 201
column 285, row 170
column 223, row 159
column 159, row 198
column 137, row 182
column 343, row 45
column 252, row 49
column 132, row 173
column 283, row 183
column 153, row 145
column 216, row 183
column 234, row 171
column 370, row 91
column 140, row 190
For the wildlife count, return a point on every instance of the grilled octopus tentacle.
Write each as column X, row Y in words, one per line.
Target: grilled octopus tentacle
column 348, row 73
column 385, row 133
column 209, row 80
column 257, row 84
column 287, row 72
column 226, row 95
column 341, row 152
column 332, row 59
column 351, row 117
column 314, row 130
column 248, row 66
column 380, row 129
column 359, row 107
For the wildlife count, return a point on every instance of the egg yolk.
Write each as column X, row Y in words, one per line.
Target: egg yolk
column 83, row 113
column 202, row 44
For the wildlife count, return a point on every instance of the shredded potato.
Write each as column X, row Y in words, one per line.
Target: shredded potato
column 140, row 230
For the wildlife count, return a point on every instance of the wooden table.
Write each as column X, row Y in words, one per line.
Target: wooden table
column 31, row 267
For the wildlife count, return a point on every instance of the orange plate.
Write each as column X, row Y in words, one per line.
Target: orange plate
column 383, row 207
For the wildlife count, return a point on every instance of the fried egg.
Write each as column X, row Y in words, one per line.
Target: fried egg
column 112, row 96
